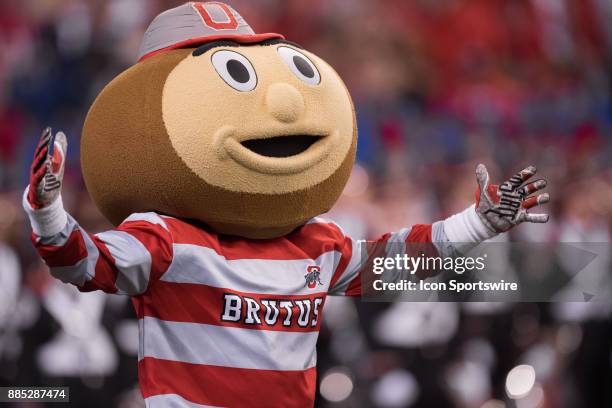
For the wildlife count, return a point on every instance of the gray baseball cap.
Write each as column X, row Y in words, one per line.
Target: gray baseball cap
column 196, row 23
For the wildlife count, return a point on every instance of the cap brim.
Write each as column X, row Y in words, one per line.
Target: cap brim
column 194, row 42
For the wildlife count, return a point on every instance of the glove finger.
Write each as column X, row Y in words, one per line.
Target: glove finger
column 44, row 142
column 536, row 218
column 537, row 200
column 38, row 175
column 44, row 137
column 532, row 187
column 482, row 177
column 42, row 169
column 522, row 176
column 39, row 159
column 59, row 153
column 41, row 149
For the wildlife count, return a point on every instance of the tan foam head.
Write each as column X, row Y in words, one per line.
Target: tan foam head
column 174, row 134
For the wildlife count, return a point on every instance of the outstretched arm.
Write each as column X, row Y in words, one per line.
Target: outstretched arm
column 124, row 260
column 498, row 208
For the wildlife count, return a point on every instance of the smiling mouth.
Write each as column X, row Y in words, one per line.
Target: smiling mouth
column 281, row 146
column 278, row 154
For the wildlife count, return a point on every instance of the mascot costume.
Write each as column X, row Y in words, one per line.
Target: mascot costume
column 214, row 156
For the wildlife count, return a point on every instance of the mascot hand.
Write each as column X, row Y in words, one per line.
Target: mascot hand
column 47, row 169
column 501, row 207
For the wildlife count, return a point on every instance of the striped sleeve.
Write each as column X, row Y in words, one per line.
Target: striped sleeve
column 122, row 261
column 346, row 280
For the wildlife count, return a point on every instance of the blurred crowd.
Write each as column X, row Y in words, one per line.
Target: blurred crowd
column 439, row 86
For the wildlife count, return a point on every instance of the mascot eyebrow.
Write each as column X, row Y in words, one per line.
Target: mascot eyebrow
column 229, row 43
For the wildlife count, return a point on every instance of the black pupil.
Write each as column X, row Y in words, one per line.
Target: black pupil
column 237, row 71
column 303, row 66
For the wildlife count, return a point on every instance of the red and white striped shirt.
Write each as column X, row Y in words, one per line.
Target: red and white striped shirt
column 224, row 321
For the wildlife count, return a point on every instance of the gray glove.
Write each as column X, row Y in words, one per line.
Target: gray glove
column 501, row 207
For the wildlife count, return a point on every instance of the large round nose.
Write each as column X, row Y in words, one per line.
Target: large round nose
column 284, row 102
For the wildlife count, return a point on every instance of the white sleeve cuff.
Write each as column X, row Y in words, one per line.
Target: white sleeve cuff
column 465, row 230
column 47, row 221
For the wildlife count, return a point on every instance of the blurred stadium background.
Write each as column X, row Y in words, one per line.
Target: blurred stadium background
column 439, row 85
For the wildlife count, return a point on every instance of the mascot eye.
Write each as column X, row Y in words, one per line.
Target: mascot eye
column 300, row 65
column 235, row 70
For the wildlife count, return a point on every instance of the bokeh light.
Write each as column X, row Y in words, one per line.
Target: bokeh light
column 336, row 385
column 520, row 380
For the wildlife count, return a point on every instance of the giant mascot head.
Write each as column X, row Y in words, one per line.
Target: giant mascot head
column 246, row 133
